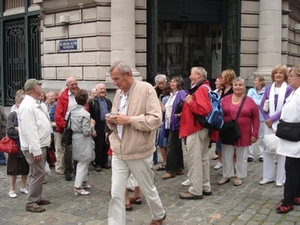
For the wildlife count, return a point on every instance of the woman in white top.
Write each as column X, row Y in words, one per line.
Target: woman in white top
column 276, row 93
column 291, row 150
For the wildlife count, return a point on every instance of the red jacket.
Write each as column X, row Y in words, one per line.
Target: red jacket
column 61, row 110
column 200, row 105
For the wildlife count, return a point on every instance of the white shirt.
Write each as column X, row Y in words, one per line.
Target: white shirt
column 71, row 104
column 122, row 110
column 34, row 126
column 290, row 113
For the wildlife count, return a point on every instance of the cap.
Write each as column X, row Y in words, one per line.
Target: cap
column 31, row 83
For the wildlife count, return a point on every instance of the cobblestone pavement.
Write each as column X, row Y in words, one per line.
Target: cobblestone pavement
column 249, row 203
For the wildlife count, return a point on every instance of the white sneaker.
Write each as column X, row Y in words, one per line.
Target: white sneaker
column 186, row 183
column 12, row 194
column 218, row 166
column 24, row 191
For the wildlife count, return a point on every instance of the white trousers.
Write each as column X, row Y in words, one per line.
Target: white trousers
column 269, row 165
column 241, row 161
column 81, row 173
column 59, row 153
column 259, row 142
column 143, row 173
column 269, row 168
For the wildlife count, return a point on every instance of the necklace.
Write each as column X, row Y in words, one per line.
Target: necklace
column 237, row 99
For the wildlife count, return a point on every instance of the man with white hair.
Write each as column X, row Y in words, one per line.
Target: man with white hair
column 197, row 137
column 35, row 133
column 99, row 106
column 65, row 103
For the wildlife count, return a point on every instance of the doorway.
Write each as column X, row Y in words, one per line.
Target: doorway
column 183, row 45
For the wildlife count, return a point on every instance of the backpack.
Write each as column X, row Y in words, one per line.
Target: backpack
column 215, row 119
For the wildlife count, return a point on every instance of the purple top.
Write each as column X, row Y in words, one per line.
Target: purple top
column 175, row 120
column 276, row 116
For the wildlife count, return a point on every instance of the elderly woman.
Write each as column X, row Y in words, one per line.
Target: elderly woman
column 226, row 78
column 276, row 95
column 171, row 128
column 256, row 93
column 248, row 122
column 291, row 150
column 16, row 163
column 160, row 84
column 82, row 142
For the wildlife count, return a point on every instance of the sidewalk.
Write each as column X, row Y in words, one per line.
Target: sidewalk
column 249, row 203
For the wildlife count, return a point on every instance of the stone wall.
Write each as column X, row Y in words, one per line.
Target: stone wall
column 89, row 26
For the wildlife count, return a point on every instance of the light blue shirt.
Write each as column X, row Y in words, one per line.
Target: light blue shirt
column 252, row 93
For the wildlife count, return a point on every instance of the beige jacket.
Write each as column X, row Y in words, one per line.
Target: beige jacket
column 138, row 138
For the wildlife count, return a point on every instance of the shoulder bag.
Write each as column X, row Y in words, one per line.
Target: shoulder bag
column 8, row 145
column 288, row 131
column 230, row 131
column 67, row 133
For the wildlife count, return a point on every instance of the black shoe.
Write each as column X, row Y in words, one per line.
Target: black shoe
column 207, row 193
column 250, row 159
column 68, row 177
column 3, row 164
column 261, row 159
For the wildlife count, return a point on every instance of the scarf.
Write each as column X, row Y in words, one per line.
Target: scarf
column 280, row 102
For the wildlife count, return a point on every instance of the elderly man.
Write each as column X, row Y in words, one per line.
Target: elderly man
column 99, row 106
column 65, row 102
column 197, row 137
column 134, row 124
column 35, row 132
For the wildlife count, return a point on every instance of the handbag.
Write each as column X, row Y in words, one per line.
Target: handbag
column 230, row 131
column 288, row 131
column 266, row 105
column 271, row 142
column 8, row 145
column 66, row 139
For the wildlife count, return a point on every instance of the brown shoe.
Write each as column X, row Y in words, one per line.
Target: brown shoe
column 179, row 172
column 168, row 175
column 107, row 166
column 35, row 209
column 98, row 168
column 43, row 202
column 158, row 222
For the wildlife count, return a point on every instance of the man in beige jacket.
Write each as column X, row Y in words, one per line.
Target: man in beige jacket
column 135, row 117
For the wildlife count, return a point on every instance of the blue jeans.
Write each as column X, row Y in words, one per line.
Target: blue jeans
column 2, row 157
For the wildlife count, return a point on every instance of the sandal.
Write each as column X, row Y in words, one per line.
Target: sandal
column 223, row 180
column 162, row 167
column 81, row 192
column 237, row 182
column 215, row 157
column 135, row 200
column 128, row 207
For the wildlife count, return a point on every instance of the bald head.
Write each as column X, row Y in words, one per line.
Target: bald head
column 71, row 84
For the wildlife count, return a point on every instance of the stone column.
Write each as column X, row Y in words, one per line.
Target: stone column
column 123, row 33
column 269, row 45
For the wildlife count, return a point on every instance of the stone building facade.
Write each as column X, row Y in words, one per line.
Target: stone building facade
column 82, row 38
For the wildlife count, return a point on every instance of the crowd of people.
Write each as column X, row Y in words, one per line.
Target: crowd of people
column 134, row 130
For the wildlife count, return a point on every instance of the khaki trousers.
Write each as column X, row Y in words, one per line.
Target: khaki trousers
column 35, row 177
column 198, row 161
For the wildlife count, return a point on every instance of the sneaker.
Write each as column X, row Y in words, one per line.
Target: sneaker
column 186, row 183
column 12, row 194
column 279, row 184
column 263, row 182
column 218, row 166
column 24, row 191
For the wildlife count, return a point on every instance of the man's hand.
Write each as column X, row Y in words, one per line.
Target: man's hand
column 188, row 98
column 121, row 119
column 38, row 158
